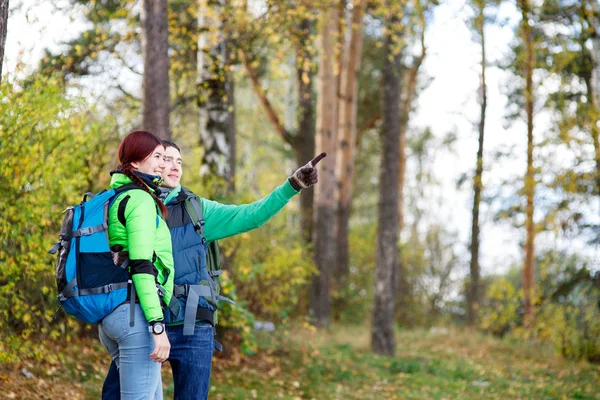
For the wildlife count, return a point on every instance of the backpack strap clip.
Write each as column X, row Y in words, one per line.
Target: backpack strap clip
column 90, row 230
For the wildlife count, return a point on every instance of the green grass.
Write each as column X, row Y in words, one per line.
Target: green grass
column 338, row 364
column 457, row 365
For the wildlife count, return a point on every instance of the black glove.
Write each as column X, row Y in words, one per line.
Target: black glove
column 306, row 175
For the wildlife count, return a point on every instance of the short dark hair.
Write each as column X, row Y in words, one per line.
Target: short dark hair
column 168, row 143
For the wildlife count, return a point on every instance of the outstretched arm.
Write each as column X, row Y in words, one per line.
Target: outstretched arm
column 223, row 220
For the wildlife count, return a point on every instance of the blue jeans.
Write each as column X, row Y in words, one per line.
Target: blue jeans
column 130, row 347
column 190, row 359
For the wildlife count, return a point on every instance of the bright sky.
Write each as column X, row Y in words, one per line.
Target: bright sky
column 448, row 104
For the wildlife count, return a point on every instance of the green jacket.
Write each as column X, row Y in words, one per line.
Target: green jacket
column 144, row 235
column 224, row 220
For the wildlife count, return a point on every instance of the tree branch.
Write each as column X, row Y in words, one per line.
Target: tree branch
column 127, row 94
column 262, row 97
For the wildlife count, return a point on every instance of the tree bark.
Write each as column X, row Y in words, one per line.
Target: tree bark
column 303, row 141
column 529, row 267
column 3, row 30
column 347, row 135
column 473, row 291
column 155, row 47
column 382, row 330
column 324, row 207
column 216, row 94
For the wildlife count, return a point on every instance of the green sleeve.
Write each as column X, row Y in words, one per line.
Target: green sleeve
column 223, row 220
column 140, row 215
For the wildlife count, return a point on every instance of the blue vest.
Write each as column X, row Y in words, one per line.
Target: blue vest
column 189, row 255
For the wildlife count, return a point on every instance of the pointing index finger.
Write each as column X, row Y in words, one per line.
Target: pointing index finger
column 318, row 158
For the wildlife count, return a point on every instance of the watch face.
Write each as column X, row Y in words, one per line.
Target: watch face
column 158, row 329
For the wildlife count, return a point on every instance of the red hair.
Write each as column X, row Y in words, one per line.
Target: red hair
column 135, row 147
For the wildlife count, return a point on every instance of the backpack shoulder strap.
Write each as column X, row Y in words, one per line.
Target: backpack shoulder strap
column 123, row 203
column 125, row 188
column 194, row 210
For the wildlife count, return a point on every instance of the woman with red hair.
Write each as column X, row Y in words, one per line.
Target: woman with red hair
column 134, row 333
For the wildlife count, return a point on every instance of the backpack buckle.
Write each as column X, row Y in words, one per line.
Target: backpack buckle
column 85, row 231
column 55, row 248
column 198, row 225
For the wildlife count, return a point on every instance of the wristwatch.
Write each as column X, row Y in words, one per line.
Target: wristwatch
column 156, row 327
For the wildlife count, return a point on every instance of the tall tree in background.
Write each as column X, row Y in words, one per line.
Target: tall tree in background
column 473, row 289
column 155, row 84
column 595, row 38
column 216, row 91
column 303, row 141
column 382, row 330
column 3, row 30
column 347, row 135
column 324, row 207
column 529, row 188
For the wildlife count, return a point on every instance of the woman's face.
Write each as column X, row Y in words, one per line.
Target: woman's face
column 154, row 163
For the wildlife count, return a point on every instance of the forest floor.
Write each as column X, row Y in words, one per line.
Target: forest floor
column 303, row 364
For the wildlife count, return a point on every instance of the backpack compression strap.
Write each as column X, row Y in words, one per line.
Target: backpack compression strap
column 195, row 213
column 193, row 292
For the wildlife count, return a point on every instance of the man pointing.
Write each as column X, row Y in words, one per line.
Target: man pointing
column 194, row 222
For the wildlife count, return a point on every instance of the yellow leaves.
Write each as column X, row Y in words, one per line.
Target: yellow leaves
column 501, row 313
column 245, row 270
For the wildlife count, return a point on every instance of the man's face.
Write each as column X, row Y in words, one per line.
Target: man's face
column 173, row 168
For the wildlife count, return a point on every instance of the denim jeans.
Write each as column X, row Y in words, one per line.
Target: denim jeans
column 190, row 359
column 130, row 347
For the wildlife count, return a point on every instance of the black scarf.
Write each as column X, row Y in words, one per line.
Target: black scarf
column 153, row 181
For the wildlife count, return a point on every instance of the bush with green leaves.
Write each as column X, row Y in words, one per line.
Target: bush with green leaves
column 52, row 149
column 499, row 313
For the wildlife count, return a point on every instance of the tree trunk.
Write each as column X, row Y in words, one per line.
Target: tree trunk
column 528, row 267
column 303, row 142
column 3, row 30
column 347, row 142
column 324, row 206
column 217, row 119
column 155, row 46
column 473, row 291
column 382, row 330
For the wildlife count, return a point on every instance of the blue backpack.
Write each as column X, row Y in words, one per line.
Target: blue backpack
column 90, row 285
